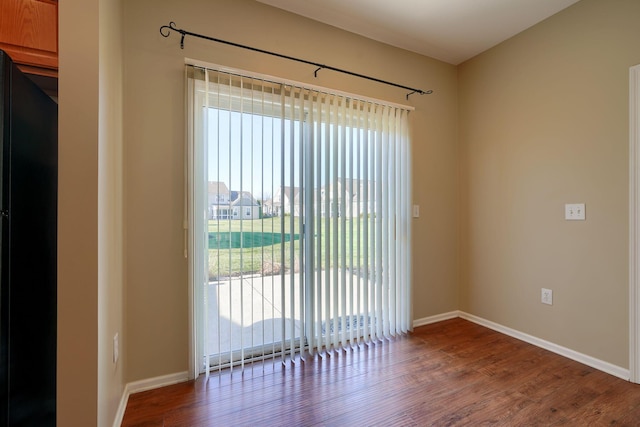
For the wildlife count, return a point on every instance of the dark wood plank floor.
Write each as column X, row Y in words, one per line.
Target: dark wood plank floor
column 449, row 373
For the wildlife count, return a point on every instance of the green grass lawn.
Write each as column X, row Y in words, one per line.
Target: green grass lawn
column 270, row 259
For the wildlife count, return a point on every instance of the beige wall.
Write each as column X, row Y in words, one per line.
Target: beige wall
column 154, row 127
column 89, row 212
column 77, row 214
column 544, row 122
column 110, row 216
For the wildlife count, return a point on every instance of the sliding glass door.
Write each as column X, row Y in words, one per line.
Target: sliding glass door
column 299, row 219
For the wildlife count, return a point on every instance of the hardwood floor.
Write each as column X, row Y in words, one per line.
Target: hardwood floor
column 449, row 373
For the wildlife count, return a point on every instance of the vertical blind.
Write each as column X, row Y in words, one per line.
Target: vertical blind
column 298, row 211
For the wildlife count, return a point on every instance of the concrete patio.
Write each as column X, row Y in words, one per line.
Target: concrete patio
column 247, row 312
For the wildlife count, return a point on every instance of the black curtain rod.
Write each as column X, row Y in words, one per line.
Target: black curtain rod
column 165, row 30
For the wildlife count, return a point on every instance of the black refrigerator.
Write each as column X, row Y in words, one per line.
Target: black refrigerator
column 28, row 250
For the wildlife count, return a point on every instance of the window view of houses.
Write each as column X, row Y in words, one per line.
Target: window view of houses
column 226, row 204
column 260, row 198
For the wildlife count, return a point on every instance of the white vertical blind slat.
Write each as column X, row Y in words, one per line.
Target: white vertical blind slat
column 301, row 201
column 405, row 151
column 241, row 165
column 292, row 269
column 283, row 254
column 378, row 223
column 310, row 229
column 385, row 219
column 360, row 202
column 343, row 223
column 263, row 131
column 366, row 226
column 319, row 209
column 200, row 158
column 353, row 215
column 226, row 90
column 335, row 213
column 327, row 223
column 271, row 264
column 393, row 201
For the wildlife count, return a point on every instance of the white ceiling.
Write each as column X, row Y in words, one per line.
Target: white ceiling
column 450, row 30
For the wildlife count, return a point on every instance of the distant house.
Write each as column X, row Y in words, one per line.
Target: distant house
column 245, row 206
column 351, row 203
column 267, row 208
column 281, row 201
column 225, row 204
column 219, row 199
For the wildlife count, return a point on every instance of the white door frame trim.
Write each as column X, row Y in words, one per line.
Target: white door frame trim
column 634, row 224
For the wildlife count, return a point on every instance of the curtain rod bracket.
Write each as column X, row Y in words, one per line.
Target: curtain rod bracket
column 420, row 92
column 165, row 31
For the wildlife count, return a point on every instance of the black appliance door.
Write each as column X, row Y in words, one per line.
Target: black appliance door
column 29, row 244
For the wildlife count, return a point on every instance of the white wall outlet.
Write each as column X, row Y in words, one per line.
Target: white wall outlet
column 574, row 212
column 116, row 348
column 416, row 211
column 547, row 296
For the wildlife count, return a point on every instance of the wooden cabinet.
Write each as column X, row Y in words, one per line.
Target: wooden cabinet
column 29, row 34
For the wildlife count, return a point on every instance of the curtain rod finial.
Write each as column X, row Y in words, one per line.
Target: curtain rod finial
column 165, row 30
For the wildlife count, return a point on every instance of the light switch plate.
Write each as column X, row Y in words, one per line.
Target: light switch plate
column 575, row 212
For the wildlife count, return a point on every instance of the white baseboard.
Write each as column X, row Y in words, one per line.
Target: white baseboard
column 437, row 318
column 144, row 385
column 117, row 422
column 601, row 365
